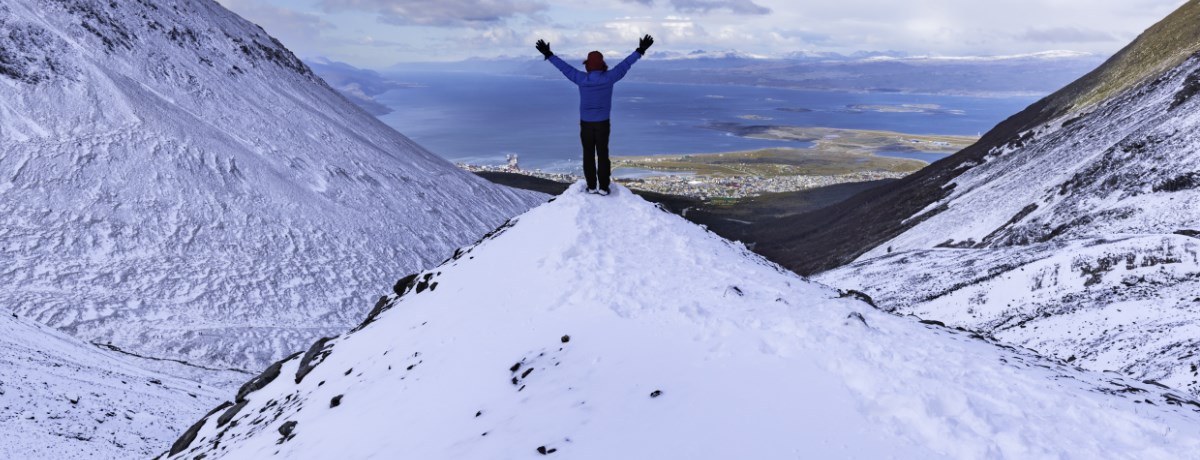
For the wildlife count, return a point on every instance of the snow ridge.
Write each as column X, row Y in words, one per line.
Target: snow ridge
column 604, row 327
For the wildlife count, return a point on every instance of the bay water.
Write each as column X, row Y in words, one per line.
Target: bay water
column 479, row 118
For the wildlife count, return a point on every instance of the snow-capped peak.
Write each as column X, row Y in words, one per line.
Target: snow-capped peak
column 1041, row 55
column 604, row 327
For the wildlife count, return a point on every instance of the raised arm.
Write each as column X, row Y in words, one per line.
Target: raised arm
column 567, row 70
column 618, row 72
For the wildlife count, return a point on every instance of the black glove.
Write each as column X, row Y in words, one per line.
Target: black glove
column 644, row 44
column 544, row 48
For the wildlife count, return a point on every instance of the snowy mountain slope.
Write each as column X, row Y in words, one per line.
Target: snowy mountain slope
column 603, row 327
column 1127, row 167
column 1127, row 304
column 61, row 398
column 174, row 181
column 1076, row 239
column 837, row 235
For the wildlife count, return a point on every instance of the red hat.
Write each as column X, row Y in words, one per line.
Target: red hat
column 595, row 61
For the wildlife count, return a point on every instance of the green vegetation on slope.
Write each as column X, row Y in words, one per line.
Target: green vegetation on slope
column 1162, row 47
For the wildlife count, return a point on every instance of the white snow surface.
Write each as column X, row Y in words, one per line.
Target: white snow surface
column 604, row 327
column 1128, row 304
column 1129, row 166
column 63, row 399
column 1077, row 240
column 175, row 182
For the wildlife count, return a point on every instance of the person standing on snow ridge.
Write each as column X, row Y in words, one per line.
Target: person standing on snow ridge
column 595, row 105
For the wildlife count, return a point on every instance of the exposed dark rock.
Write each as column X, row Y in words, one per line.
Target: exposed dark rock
column 1179, row 183
column 1023, row 213
column 314, row 356
column 1178, row 401
column 951, row 244
column 526, row 373
column 515, row 367
column 497, row 232
column 1095, row 272
column 336, row 401
column 402, row 287
column 655, row 393
column 566, row 338
column 478, row 413
column 185, row 440
column 1191, row 86
column 381, row 306
column 1071, row 121
column 231, row 413
column 858, row 295
column 111, row 32
column 544, row 451
column 263, row 379
column 218, row 409
column 286, row 431
column 1191, row 233
column 933, row 322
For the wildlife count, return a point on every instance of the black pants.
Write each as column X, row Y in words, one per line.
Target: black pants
column 596, row 167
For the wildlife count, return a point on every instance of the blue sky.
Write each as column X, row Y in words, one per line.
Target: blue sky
column 380, row 33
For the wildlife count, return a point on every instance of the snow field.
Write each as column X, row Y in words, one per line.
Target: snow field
column 603, row 327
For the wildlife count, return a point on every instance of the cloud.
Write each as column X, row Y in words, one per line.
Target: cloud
column 290, row 26
column 733, row 6
column 439, row 12
column 370, row 32
column 708, row 6
column 1066, row 35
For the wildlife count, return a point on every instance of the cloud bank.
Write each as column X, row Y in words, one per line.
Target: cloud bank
column 377, row 33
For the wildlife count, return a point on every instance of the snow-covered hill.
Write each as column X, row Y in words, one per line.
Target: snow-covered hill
column 174, row 181
column 1129, row 304
column 603, row 327
column 61, row 398
column 1078, row 237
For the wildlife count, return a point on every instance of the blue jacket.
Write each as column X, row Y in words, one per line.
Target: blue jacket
column 596, row 87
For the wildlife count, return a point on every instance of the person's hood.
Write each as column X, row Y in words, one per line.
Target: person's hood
column 595, row 61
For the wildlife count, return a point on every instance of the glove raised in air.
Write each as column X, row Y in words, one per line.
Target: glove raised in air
column 644, row 44
column 544, row 48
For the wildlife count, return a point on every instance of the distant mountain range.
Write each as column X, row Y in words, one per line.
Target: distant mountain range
column 1031, row 74
column 875, row 72
column 360, row 86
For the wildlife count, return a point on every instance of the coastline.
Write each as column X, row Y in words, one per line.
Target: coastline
column 836, row 156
